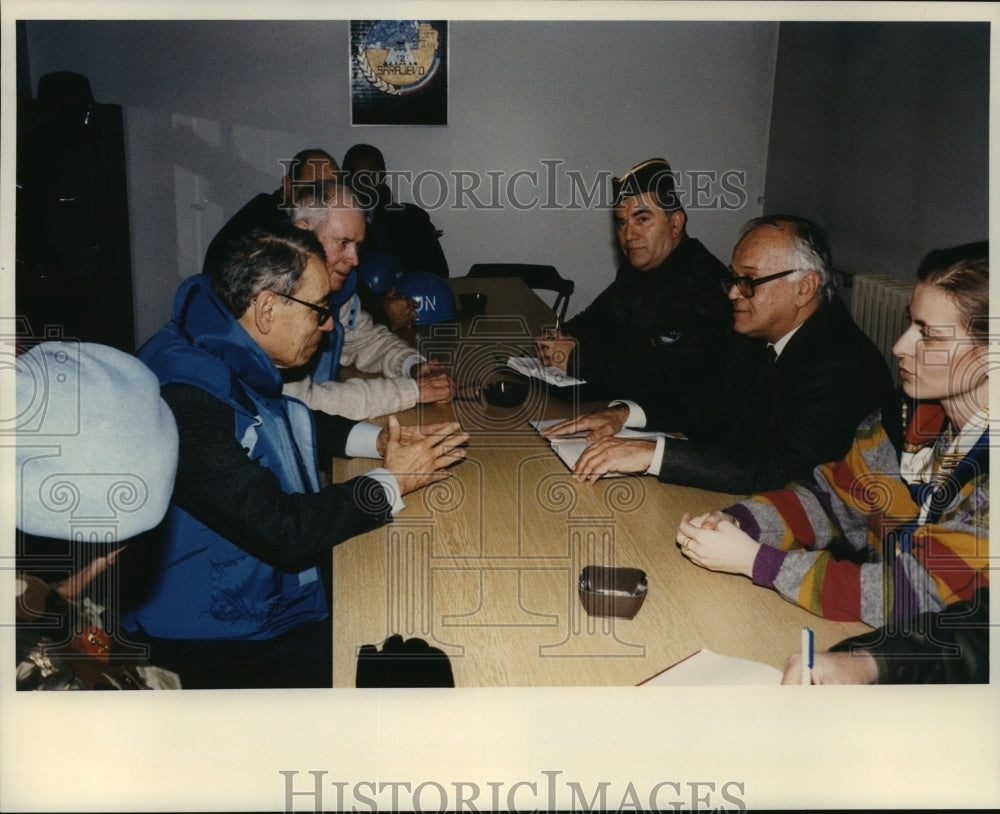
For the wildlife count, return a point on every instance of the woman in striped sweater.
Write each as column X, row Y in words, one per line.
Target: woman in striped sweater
column 901, row 525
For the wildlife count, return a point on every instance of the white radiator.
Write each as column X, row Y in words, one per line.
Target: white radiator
column 878, row 305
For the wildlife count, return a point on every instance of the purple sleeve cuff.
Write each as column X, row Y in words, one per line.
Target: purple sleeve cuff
column 766, row 565
column 745, row 518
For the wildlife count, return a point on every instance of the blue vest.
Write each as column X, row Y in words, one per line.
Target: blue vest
column 327, row 360
column 208, row 587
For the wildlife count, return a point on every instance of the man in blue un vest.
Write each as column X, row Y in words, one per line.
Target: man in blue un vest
column 238, row 596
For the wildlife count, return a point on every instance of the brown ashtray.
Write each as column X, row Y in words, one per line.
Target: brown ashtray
column 608, row 591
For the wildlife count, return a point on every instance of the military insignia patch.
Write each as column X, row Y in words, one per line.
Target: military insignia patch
column 668, row 338
column 399, row 72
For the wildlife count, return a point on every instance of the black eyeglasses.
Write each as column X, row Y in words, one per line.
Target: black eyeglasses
column 322, row 314
column 746, row 285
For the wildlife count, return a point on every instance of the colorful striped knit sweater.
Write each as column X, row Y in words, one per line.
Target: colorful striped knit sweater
column 844, row 545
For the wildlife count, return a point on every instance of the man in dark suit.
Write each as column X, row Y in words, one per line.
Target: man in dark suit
column 797, row 381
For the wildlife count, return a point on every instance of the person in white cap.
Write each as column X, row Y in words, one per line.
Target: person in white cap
column 95, row 462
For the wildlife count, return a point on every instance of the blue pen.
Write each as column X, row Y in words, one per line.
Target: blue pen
column 807, row 654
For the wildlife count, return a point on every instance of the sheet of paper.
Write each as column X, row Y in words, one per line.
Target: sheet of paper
column 570, row 447
column 528, row 366
column 706, row 668
column 626, row 432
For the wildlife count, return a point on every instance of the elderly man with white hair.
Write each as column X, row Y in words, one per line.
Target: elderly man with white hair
column 401, row 377
column 796, row 383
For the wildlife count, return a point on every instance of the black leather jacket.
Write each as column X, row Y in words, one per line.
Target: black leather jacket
column 949, row 647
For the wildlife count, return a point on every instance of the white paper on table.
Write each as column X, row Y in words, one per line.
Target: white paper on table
column 529, row 366
column 570, row 447
column 706, row 668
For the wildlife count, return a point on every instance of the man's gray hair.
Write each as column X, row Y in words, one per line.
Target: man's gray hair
column 311, row 202
column 272, row 259
column 809, row 244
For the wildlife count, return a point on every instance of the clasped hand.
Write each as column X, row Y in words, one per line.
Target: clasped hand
column 417, row 456
column 715, row 542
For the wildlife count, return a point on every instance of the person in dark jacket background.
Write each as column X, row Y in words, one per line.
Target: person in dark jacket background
column 269, row 209
column 402, row 228
column 944, row 647
column 400, row 237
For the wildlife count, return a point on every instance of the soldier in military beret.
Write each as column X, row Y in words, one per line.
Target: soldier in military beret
column 664, row 317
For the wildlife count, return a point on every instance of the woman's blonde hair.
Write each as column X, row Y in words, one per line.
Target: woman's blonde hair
column 963, row 272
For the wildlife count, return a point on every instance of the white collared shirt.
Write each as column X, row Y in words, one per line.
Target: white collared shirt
column 779, row 346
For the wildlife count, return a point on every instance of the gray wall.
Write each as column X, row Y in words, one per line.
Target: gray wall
column 881, row 133
column 210, row 108
column 878, row 131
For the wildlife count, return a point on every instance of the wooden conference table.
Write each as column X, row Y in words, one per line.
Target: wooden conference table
column 485, row 564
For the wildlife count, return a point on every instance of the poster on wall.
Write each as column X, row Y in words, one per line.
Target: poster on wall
column 399, row 72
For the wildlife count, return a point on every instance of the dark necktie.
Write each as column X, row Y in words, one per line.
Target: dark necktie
column 765, row 373
column 750, row 402
column 760, row 398
column 765, row 388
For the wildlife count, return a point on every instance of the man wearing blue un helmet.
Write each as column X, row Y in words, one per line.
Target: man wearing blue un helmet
column 435, row 301
column 379, row 270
